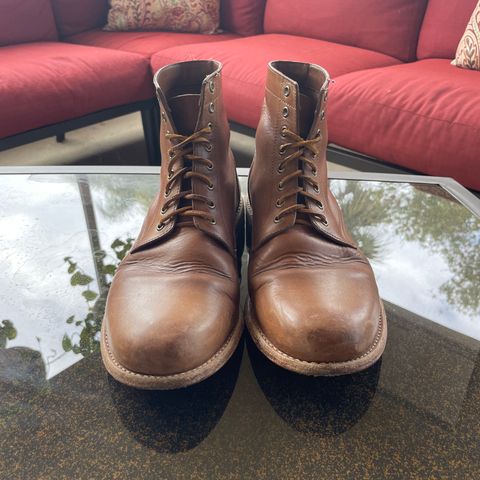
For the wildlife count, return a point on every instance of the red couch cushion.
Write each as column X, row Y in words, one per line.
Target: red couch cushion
column 46, row 83
column 443, row 27
column 423, row 115
column 390, row 27
column 26, row 21
column 143, row 43
column 245, row 65
column 244, row 17
column 75, row 16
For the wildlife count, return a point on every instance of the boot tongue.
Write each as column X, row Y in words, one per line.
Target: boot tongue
column 185, row 110
column 306, row 115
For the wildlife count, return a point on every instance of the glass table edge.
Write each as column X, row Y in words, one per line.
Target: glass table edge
column 464, row 196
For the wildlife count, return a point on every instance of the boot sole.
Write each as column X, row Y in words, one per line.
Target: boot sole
column 327, row 369
column 173, row 381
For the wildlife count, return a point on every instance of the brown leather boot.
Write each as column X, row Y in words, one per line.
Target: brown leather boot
column 314, row 306
column 171, row 318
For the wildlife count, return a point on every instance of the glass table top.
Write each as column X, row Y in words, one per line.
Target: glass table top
column 415, row 414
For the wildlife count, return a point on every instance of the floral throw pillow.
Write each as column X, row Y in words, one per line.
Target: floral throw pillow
column 468, row 51
column 194, row 16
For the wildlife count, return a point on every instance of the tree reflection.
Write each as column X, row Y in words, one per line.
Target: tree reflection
column 87, row 341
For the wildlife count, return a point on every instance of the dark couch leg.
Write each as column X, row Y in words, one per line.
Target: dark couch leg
column 151, row 132
column 60, row 137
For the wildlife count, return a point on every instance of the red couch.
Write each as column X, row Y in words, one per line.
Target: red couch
column 395, row 98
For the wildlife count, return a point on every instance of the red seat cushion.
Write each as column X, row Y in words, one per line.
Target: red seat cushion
column 443, row 27
column 245, row 65
column 46, row 83
column 423, row 115
column 143, row 43
column 26, row 21
column 387, row 26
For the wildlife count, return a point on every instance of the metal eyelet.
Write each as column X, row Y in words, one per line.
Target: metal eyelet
column 213, row 221
column 164, row 210
column 322, row 115
column 280, row 169
column 282, row 150
column 211, row 86
column 285, row 112
column 170, row 175
column 324, row 221
column 171, row 153
column 316, row 189
column 276, row 220
column 210, row 187
column 210, row 166
column 164, row 117
column 167, row 193
column 210, row 126
column 320, row 205
column 314, row 172
column 211, row 107
column 281, row 186
column 160, row 226
column 286, row 90
column 208, row 147
column 283, row 131
column 280, row 204
column 211, row 205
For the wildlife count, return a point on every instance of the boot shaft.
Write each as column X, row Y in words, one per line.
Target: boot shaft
column 288, row 180
column 196, row 157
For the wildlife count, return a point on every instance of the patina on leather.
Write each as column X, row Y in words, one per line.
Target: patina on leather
column 312, row 291
column 174, row 300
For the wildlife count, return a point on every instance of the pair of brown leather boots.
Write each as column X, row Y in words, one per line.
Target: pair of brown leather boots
column 172, row 317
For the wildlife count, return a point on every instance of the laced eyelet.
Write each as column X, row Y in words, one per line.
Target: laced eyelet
column 171, row 153
column 280, row 186
column 322, row 115
column 324, row 221
column 283, row 131
column 211, row 107
column 286, row 90
column 210, row 166
column 211, row 205
column 282, row 150
column 160, row 226
column 276, row 220
column 167, row 193
column 213, row 221
column 164, row 117
column 280, row 169
column 164, row 210
column 211, row 86
column 210, row 187
column 208, row 147
column 285, row 112
column 280, row 204
column 314, row 172
column 320, row 205
column 316, row 189
column 170, row 175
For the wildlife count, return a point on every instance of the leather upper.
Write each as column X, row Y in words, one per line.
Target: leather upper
column 174, row 299
column 313, row 291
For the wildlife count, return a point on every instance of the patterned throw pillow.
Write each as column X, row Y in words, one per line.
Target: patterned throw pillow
column 194, row 16
column 468, row 51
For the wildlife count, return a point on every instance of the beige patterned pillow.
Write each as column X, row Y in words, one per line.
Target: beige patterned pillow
column 195, row 16
column 468, row 51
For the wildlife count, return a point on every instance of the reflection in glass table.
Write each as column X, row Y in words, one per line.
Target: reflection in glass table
column 415, row 414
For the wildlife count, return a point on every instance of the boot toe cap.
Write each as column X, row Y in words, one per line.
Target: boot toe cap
column 171, row 327
column 308, row 317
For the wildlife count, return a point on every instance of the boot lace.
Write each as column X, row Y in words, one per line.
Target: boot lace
column 182, row 148
column 301, row 146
